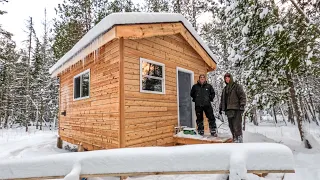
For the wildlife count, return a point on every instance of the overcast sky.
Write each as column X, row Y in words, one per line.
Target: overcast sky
column 18, row 11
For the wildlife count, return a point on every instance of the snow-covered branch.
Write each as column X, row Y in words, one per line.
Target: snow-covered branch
column 304, row 15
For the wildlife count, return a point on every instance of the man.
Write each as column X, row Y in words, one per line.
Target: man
column 233, row 101
column 202, row 94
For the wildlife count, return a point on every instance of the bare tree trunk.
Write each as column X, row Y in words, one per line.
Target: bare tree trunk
column 5, row 98
column 304, row 113
column 194, row 14
column 6, row 116
column 41, row 113
column 310, row 105
column 290, row 114
column 28, row 76
column 312, row 112
column 303, row 14
column 274, row 115
column 254, row 116
column 294, row 100
column 283, row 116
column 37, row 120
column 319, row 112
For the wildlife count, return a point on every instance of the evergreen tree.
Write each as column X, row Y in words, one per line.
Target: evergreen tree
column 2, row 31
column 28, row 73
column 156, row 5
column 77, row 17
column 48, row 105
column 7, row 58
column 271, row 47
column 21, row 66
column 121, row 6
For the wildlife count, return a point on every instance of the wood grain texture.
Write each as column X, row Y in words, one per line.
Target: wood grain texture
column 116, row 106
column 143, row 31
column 186, row 141
column 150, row 118
column 159, row 173
column 122, row 135
column 94, row 121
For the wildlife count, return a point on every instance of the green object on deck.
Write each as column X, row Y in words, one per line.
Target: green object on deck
column 189, row 131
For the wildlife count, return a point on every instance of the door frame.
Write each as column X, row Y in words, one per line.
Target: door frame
column 192, row 104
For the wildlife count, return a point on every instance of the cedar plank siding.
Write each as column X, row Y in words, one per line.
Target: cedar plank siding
column 93, row 121
column 150, row 118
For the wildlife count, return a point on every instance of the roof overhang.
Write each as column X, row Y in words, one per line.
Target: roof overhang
column 155, row 24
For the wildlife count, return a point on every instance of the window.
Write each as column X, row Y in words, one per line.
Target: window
column 152, row 77
column 81, row 85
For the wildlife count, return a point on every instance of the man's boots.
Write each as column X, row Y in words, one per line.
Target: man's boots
column 213, row 133
column 201, row 132
column 238, row 139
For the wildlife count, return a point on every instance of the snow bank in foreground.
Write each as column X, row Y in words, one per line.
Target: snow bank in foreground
column 205, row 157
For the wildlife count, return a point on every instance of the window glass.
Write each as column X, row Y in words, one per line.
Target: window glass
column 82, row 85
column 152, row 76
column 77, row 87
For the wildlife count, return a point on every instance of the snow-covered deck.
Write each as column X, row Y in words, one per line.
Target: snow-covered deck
column 234, row 158
column 184, row 139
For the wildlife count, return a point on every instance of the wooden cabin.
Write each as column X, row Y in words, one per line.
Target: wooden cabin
column 127, row 82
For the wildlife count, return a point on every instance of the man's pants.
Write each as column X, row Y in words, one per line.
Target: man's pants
column 235, row 124
column 209, row 114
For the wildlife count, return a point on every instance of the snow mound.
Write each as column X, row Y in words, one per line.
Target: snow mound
column 127, row 18
column 236, row 157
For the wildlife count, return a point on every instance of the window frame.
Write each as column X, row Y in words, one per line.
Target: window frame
column 162, row 79
column 74, row 78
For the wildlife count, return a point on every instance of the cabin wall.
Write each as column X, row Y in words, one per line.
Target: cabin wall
column 150, row 118
column 93, row 121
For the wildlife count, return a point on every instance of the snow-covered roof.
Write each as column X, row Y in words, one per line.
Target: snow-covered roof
column 128, row 18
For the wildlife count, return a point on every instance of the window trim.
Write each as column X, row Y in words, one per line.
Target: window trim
column 163, row 77
column 76, row 76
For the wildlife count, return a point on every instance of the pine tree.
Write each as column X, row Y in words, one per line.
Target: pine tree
column 7, row 58
column 37, row 82
column 28, row 73
column 72, row 23
column 20, row 87
column 49, row 89
column 77, row 17
column 157, row 5
column 121, row 6
column 2, row 31
column 270, row 49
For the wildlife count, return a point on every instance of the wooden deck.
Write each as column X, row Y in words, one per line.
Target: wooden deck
column 184, row 140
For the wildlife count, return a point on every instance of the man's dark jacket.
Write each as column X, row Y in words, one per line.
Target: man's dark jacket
column 233, row 97
column 203, row 94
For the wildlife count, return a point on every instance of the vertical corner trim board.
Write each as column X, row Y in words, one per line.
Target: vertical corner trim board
column 121, row 96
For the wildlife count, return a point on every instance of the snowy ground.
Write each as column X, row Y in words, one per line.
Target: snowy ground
column 15, row 143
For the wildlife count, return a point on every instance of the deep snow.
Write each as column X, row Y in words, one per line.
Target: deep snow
column 16, row 144
column 203, row 157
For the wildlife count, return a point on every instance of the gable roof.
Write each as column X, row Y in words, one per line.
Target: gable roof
column 128, row 18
